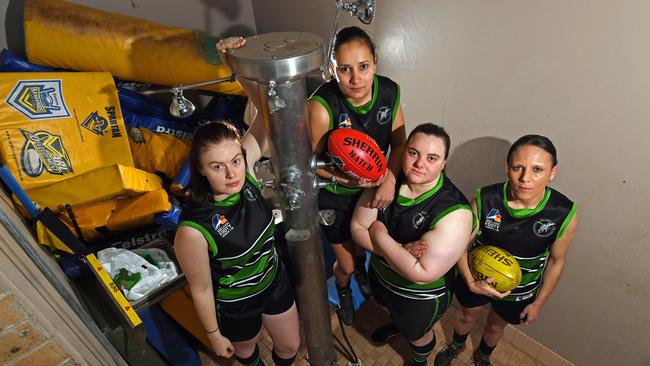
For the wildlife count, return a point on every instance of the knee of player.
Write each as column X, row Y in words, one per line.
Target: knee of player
column 494, row 326
column 287, row 349
column 469, row 315
column 344, row 266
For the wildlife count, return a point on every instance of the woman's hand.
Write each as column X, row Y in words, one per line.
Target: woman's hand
column 221, row 345
column 530, row 313
column 483, row 287
column 361, row 183
column 385, row 193
column 227, row 43
column 231, row 42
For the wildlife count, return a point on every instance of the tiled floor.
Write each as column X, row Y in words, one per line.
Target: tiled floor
column 370, row 316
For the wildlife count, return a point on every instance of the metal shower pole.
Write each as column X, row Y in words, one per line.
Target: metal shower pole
column 279, row 62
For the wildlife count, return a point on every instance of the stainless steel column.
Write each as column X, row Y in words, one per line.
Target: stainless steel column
column 279, row 63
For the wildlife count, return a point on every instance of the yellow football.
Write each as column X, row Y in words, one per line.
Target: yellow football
column 490, row 261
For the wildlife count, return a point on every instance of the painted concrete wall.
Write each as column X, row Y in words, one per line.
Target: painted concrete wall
column 576, row 71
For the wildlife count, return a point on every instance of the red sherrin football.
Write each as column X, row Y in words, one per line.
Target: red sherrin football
column 356, row 154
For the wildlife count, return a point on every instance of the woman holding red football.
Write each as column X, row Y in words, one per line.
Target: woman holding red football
column 355, row 98
column 534, row 223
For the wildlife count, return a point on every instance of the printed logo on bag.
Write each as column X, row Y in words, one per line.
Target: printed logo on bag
column 383, row 115
column 43, row 151
column 493, row 220
column 221, row 225
column 345, row 121
column 418, row 219
column 544, row 228
column 38, row 99
column 95, row 123
column 112, row 120
column 207, row 46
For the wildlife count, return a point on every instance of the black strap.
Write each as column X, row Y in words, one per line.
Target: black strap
column 62, row 232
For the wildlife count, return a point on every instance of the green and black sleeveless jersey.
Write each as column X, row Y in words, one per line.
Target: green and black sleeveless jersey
column 407, row 220
column 374, row 118
column 239, row 231
column 526, row 233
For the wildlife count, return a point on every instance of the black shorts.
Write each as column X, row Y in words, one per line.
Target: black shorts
column 508, row 310
column 242, row 320
column 343, row 206
column 413, row 318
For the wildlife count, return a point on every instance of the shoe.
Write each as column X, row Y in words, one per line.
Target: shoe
column 447, row 355
column 480, row 360
column 385, row 333
column 346, row 306
column 361, row 275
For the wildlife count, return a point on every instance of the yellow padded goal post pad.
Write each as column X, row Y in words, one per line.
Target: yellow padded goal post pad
column 75, row 37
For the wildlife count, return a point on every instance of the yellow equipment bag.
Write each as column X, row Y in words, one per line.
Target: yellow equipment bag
column 158, row 152
column 56, row 125
column 96, row 219
column 70, row 36
column 111, row 182
column 180, row 307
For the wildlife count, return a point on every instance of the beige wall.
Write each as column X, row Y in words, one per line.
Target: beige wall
column 577, row 71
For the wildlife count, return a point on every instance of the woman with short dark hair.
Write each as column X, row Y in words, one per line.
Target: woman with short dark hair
column 532, row 221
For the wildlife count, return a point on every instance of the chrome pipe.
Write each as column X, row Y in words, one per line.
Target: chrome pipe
column 279, row 62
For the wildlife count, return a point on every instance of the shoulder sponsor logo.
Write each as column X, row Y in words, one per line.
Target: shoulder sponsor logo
column 418, row 219
column 383, row 115
column 493, row 220
column 221, row 225
column 38, row 99
column 43, row 151
column 345, row 121
column 544, row 228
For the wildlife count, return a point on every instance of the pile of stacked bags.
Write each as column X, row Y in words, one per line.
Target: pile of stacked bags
column 109, row 161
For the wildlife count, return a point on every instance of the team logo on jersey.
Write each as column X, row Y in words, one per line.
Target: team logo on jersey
column 43, row 151
column 95, row 123
column 493, row 220
column 544, row 228
column 248, row 193
column 383, row 115
column 338, row 161
column 221, row 225
column 418, row 219
column 38, row 99
column 345, row 121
